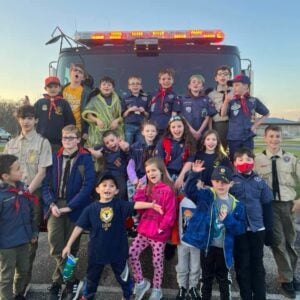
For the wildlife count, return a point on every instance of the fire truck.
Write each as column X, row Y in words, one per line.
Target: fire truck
column 120, row 54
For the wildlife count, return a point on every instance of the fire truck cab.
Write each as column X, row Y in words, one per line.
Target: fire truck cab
column 120, row 54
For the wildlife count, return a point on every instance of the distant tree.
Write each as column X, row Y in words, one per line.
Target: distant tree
column 7, row 116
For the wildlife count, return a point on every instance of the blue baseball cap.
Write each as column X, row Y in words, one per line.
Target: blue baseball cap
column 239, row 78
column 222, row 173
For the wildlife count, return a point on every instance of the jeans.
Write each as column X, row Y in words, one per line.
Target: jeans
column 132, row 133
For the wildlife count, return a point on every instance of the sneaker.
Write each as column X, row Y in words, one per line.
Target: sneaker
column 73, row 289
column 156, row 294
column 55, row 291
column 181, row 294
column 296, row 284
column 141, row 288
column 288, row 290
column 194, row 294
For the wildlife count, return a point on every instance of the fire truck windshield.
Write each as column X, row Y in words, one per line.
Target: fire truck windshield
column 120, row 63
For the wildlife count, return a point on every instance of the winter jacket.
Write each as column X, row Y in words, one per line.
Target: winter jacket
column 199, row 230
column 151, row 222
column 79, row 185
column 16, row 216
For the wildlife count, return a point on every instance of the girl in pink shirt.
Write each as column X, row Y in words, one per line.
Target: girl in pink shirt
column 154, row 229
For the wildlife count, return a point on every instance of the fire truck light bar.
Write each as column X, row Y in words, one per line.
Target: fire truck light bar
column 211, row 36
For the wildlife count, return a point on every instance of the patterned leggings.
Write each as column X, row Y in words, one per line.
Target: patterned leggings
column 139, row 244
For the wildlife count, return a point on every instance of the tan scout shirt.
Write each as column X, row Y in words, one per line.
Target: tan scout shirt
column 217, row 98
column 288, row 170
column 33, row 151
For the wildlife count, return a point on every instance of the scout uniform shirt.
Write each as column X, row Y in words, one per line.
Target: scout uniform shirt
column 288, row 168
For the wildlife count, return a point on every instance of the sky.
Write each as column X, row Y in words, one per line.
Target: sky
column 267, row 32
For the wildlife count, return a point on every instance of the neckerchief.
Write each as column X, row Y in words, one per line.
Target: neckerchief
column 242, row 98
column 161, row 95
column 26, row 194
column 52, row 103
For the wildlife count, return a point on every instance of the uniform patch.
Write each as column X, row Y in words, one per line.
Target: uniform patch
column 257, row 178
column 204, row 112
column 58, row 110
column 44, row 107
column 251, row 99
column 31, row 156
column 235, row 106
column 188, row 109
column 144, row 99
column 106, row 215
column 171, row 96
column 286, row 159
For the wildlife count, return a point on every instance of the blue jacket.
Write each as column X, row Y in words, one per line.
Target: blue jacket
column 78, row 187
column 16, row 217
column 257, row 197
column 199, row 230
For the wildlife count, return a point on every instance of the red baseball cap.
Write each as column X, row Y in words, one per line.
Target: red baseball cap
column 52, row 79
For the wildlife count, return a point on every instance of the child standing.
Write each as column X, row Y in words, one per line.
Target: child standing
column 279, row 169
column 140, row 152
column 17, row 229
column 177, row 149
column 108, row 240
column 103, row 112
column 196, row 107
column 77, row 94
column 66, row 192
column 134, row 109
column 219, row 218
column 257, row 197
column 188, row 265
column 34, row 154
column 154, row 229
column 212, row 154
column 114, row 152
column 53, row 113
column 164, row 103
column 218, row 95
column 241, row 110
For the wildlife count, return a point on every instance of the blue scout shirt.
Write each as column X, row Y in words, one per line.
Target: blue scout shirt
column 255, row 194
column 161, row 108
column 176, row 162
column 140, row 152
column 142, row 100
column 106, row 222
column 196, row 109
column 240, row 123
column 115, row 161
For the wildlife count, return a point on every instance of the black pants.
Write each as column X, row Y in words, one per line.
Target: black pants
column 93, row 276
column 249, row 267
column 213, row 266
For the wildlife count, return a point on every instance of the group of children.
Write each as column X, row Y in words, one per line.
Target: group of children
column 179, row 176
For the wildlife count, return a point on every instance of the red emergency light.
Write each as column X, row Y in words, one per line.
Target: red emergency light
column 205, row 36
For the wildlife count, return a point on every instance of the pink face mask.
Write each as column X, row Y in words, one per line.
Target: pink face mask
column 245, row 167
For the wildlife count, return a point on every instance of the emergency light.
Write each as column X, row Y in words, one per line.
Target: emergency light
column 204, row 36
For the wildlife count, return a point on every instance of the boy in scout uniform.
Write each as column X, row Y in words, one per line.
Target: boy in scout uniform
column 34, row 155
column 53, row 113
column 280, row 169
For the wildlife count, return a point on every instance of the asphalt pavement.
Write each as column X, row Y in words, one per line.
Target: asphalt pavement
column 109, row 289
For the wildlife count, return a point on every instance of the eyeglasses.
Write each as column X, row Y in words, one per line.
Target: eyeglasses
column 78, row 70
column 223, row 73
column 69, row 138
column 175, row 118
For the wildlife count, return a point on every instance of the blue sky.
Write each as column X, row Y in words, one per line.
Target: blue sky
column 267, row 32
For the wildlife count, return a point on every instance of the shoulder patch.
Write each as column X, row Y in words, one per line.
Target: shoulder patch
column 257, row 178
column 286, row 158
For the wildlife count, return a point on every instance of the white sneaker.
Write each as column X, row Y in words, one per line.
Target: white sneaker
column 156, row 294
column 141, row 288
